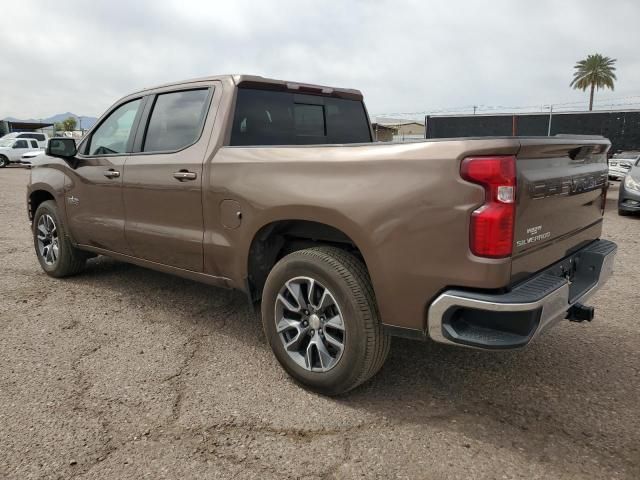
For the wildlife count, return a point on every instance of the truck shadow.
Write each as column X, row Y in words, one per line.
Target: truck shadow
column 568, row 394
column 556, row 393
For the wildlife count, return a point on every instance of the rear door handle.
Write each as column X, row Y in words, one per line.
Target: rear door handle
column 111, row 173
column 183, row 175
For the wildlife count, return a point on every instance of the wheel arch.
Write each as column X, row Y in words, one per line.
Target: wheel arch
column 37, row 197
column 278, row 238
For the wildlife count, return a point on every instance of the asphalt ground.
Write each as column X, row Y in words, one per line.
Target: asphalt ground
column 125, row 373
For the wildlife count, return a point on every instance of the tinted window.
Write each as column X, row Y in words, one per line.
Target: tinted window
column 37, row 136
column 308, row 120
column 176, row 120
column 266, row 117
column 21, row 144
column 34, row 144
column 113, row 134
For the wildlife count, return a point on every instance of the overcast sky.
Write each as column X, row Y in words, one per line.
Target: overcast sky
column 412, row 56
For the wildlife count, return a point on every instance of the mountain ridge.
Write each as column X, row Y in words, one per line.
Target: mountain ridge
column 87, row 121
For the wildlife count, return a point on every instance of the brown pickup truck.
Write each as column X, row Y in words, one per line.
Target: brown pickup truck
column 277, row 189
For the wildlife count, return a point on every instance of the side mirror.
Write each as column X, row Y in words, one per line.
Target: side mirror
column 61, row 147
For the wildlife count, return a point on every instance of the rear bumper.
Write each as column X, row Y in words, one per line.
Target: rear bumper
column 511, row 320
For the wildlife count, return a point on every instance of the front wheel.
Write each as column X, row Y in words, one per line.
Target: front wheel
column 321, row 320
column 56, row 254
column 4, row 161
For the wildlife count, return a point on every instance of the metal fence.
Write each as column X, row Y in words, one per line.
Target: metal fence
column 621, row 127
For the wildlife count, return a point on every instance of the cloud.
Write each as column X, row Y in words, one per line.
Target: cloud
column 405, row 56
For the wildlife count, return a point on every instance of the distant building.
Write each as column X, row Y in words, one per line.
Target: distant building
column 383, row 133
column 8, row 126
column 405, row 129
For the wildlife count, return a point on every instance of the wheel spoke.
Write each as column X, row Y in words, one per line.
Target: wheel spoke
column 294, row 344
column 326, row 301
column 333, row 341
column 287, row 304
column 308, row 357
column 286, row 324
column 325, row 357
column 335, row 322
column 42, row 229
column 54, row 251
column 296, row 290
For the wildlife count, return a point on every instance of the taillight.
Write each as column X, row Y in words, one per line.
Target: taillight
column 491, row 228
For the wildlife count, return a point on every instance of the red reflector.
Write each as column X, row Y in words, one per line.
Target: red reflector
column 492, row 225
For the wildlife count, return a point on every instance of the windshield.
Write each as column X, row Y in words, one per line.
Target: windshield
column 7, row 142
column 626, row 156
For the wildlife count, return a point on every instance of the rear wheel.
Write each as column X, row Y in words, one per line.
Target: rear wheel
column 321, row 320
column 55, row 252
column 4, row 161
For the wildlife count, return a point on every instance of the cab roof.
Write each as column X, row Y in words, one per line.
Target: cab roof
column 256, row 81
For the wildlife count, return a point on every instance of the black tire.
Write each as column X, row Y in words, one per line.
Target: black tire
column 4, row 161
column 365, row 344
column 623, row 213
column 69, row 260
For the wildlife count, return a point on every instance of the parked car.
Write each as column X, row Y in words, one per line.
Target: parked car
column 629, row 195
column 11, row 149
column 620, row 164
column 277, row 189
column 40, row 137
column 27, row 158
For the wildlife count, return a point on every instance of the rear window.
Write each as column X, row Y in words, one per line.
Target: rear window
column 37, row 136
column 265, row 117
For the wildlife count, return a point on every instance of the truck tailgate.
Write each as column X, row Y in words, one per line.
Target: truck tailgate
column 561, row 184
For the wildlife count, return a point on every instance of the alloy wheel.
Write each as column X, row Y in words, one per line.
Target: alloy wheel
column 310, row 324
column 48, row 244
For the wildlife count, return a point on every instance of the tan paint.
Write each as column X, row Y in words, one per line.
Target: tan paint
column 403, row 205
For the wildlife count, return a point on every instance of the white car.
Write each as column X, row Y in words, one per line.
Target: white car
column 621, row 163
column 11, row 149
column 27, row 158
column 39, row 137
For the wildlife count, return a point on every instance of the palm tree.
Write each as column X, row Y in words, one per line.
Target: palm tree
column 594, row 72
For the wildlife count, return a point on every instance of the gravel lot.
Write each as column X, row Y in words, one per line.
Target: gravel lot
column 122, row 372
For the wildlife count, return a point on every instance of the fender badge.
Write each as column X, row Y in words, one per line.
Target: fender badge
column 73, row 200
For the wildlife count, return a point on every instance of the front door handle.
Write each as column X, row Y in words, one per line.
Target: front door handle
column 111, row 173
column 183, row 175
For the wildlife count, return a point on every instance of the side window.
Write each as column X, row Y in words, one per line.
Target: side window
column 176, row 120
column 21, row 144
column 34, row 144
column 112, row 135
column 39, row 137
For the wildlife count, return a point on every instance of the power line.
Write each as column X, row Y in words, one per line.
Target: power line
column 488, row 108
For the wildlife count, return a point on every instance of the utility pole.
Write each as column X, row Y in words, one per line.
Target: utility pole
column 474, row 109
column 550, row 118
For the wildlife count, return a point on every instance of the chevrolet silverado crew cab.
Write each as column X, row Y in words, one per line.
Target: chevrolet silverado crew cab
column 277, row 189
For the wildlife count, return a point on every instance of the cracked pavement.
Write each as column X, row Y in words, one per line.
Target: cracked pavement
column 125, row 373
